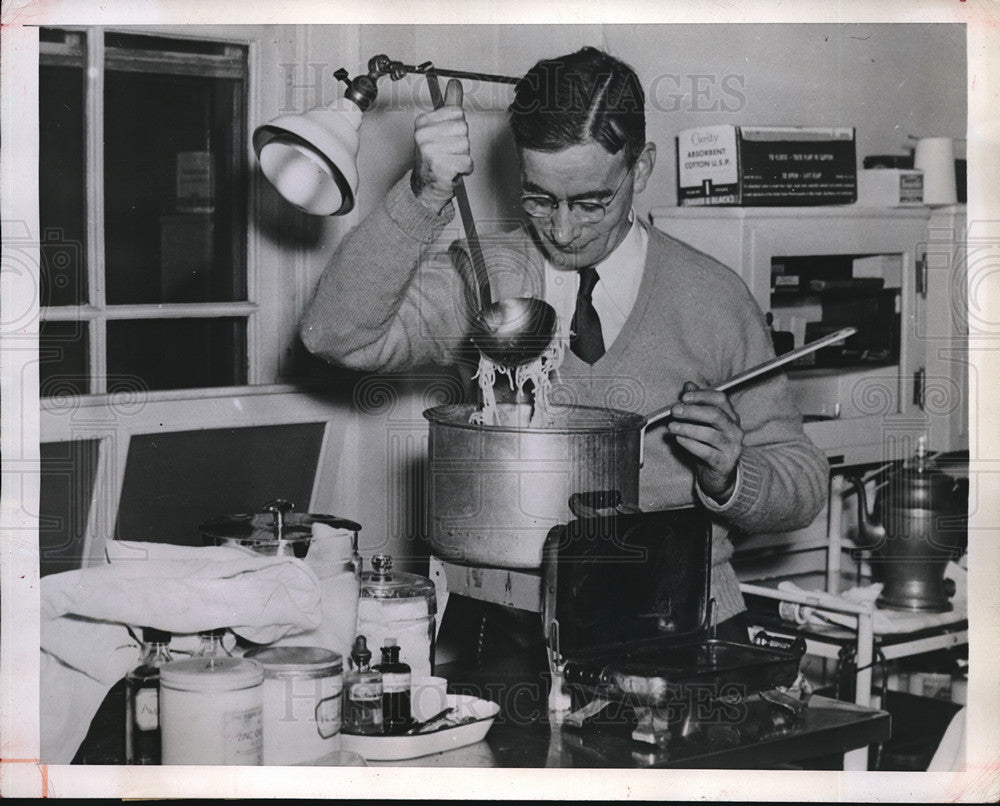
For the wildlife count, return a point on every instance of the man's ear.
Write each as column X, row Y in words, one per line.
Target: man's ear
column 644, row 167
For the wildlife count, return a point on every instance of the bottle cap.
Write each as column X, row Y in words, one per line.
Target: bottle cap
column 382, row 566
column 305, row 661
column 361, row 654
column 151, row 635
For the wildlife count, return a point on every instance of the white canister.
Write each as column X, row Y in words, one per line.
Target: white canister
column 211, row 711
column 935, row 156
column 303, row 702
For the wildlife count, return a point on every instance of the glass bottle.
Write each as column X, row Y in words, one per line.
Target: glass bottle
column 142, row 699
column 396, row 677
column 400, row 605
column 211, row 645
column 363, row 704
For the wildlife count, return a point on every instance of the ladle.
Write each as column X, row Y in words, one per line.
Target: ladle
column 511, row 331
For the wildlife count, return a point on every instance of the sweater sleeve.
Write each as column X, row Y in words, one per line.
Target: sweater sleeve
column 782, row 475
column 388, row 300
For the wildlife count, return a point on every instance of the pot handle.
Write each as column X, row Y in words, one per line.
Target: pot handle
column 748, row 375
column 586, row 505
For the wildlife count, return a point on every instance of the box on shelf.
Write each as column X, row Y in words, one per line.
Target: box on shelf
column 891, row 187
column 766, row 166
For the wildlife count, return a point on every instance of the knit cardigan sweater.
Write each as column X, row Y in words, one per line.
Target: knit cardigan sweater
column 391, row 300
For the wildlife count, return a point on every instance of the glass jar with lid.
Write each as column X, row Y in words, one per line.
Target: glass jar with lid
column 326, row 544
column 402, row 606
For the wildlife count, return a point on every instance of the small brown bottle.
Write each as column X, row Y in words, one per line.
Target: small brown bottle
column 396, row 675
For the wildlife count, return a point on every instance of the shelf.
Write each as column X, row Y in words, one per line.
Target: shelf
column 843, row 211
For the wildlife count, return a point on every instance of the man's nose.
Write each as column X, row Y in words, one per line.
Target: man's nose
column 562, row 228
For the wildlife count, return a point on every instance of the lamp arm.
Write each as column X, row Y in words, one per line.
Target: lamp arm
column 491, row 77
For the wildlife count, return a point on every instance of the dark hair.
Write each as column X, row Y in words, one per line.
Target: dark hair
column 569, row 100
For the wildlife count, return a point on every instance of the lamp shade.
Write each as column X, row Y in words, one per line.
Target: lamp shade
column 311, row 158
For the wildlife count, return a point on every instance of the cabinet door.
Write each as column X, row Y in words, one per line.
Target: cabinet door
column 943, row 329
column 817, row 269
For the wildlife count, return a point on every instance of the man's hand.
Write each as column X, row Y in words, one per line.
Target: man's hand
column 706, row 424
column 442, row 151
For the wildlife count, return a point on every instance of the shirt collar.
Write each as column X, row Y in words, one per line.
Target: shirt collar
column 620, row 270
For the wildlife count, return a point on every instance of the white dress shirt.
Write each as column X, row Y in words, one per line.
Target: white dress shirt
column 615, row 293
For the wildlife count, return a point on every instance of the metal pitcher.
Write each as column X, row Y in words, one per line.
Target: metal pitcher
column 919, row 523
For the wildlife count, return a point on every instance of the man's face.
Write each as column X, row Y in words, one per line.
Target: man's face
column 583, row 172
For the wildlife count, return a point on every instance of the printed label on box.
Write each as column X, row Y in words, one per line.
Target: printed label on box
column 766, row 165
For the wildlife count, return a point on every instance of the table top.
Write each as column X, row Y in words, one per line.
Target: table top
column 522, row 737
column 828, row 727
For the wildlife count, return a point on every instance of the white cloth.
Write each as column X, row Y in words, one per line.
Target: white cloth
column 614, row 295
column 885, row 621
column 86, row 646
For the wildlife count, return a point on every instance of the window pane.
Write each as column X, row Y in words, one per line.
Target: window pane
column 61, row 185
column 68, row 471
column 174, row 482
column 175, row 187
column 63, row 367
column 179, row 353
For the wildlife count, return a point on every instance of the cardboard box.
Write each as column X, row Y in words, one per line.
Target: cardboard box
column 891, row 187
column 766, row 166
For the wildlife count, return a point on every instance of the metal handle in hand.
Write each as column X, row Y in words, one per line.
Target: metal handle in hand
column 464, row 209
column 763, row 368
column 747, row 375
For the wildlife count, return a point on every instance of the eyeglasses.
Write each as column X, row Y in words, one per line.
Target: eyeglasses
column 588, row 211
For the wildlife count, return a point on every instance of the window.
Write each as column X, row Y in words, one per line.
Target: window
column 143, row 188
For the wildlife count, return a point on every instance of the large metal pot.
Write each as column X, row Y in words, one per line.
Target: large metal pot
column 496, row 491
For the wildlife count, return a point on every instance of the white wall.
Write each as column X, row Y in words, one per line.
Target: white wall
column 887, row 80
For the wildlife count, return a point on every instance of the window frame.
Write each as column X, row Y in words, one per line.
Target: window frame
column 112, row 420
column 283, row 264
column 97, row 312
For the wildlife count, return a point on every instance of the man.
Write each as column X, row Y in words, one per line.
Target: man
column 670, row 321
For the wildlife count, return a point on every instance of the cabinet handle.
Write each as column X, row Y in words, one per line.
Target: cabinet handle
column 919, row 387
column 921, row 268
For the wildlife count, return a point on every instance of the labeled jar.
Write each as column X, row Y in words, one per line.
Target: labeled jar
column 211, row 711
column 142, row 704
column 401, row 606
column 303, row 702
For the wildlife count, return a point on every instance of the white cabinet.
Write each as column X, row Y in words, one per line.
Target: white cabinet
column 943, row 328
column 820, row 268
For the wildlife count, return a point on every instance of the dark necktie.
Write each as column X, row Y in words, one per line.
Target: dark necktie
column 586, row 339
